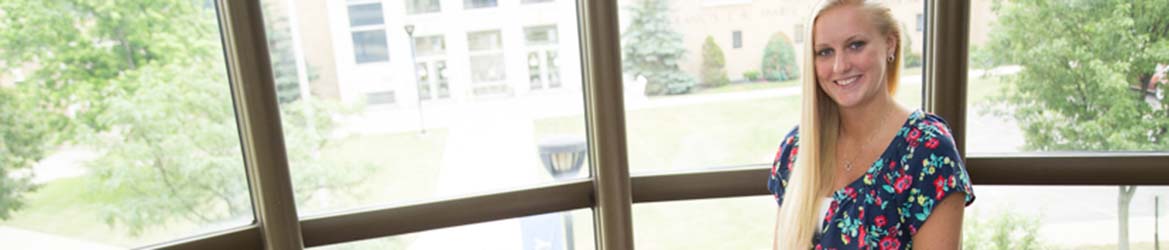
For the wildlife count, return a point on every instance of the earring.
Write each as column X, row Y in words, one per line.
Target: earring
column 890, row 58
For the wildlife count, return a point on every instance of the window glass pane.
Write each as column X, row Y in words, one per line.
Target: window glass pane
column 365, row 14
column 430, row 46
column 484, row 40
column 1092, row 80
column 117, row 126
column 452, row 114
column 559, row 230
column 475, row 4
column 1065, row 217
column 724, row 223
column 370, row 46
column 679, row 117
column 421, row 6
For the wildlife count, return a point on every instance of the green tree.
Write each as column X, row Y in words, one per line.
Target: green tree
column 714, row 70
column 24, row 136
column 144, row 83
column 1005, row 231
column 652, row 49
column 1081, row 59
column 779, row 59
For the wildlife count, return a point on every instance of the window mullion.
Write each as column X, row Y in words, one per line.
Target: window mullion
column 946, row 58
column 254, row 94
column 605, row 116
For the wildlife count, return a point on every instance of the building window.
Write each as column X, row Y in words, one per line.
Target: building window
column 422, row 6
column 369, row 36
column 737, row 39
column 487, row 64
column 431, row 66
column 370, row 46
column 475, row 4
column 799, row 33
column 382, row 97
column 543, row 47
column 920, row 22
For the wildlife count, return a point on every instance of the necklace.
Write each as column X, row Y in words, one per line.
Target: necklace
column 848, row 162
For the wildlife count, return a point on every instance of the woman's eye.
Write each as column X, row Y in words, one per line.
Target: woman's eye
column 856, row 45
column 824, row 53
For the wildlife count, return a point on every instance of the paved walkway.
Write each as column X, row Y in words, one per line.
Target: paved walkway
column 18, row 239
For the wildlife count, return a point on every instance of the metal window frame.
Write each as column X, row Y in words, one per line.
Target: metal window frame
column 610, row 190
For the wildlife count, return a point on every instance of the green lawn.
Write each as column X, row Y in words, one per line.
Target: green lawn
column 405, row 173
column 747, row 86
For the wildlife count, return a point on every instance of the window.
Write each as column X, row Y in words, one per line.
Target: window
column 559, row 230
column 536, row 1
column 449, row 121
column 1036, row 95
column 920, row 23
column 798, row 31
column 487, row 63
column 723, row 223
column 370, row 46
column 737, row 39
column 369, row 35
column 675, row 124
column 543, row 68
column 431, row 67
column 422, row 6
column 476, row 4
column 148, row 150
column 383, row 97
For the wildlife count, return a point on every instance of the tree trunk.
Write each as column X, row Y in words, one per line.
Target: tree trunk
column 1125, row 198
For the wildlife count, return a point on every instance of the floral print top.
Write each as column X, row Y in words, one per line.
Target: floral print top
column 884, row 208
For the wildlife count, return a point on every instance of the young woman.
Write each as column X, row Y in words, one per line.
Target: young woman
column 861, row 171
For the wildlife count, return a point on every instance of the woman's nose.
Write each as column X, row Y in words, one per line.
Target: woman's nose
column 839, row 64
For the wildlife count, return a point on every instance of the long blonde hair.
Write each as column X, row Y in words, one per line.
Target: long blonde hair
column 811, row 177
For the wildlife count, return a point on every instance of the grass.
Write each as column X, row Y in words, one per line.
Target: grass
column 400, row 174
column 747, row 86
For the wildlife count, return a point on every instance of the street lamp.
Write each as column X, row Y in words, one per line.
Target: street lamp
column 417, row 88
column 563, row 157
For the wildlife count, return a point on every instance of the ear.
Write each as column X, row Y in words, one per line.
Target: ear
column 891, row 43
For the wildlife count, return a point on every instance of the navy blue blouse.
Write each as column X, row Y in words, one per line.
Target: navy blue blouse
column 884, row 208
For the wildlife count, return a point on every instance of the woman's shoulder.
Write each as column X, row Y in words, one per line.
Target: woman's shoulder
column 928, row 132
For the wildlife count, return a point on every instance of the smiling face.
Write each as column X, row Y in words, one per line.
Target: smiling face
column 851, row 55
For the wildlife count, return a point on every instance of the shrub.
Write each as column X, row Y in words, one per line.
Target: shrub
column 714, row 71
column 779, row 59
column 751, row 75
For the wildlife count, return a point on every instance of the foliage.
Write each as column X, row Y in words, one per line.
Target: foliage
column 1073, row 93
column 1080, row 59
column 1006, row 231
column 751, row 75
column 24, row 137
column 714, row 70
column 779, row 59
column 652, row 49
column 144, row 83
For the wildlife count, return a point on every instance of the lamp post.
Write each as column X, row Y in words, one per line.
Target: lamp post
column 563, row 157
column 417, row 88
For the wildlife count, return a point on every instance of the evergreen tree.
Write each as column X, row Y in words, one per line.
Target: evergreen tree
column 714, row 70
column 651, row 49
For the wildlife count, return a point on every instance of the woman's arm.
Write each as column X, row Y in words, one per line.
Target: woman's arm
column 943, row 229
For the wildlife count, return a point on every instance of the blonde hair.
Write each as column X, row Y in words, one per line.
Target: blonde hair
column 810, row 179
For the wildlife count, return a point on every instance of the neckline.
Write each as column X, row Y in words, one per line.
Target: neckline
column 917, row 113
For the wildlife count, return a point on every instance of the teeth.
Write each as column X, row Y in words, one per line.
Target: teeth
column 846, row 82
